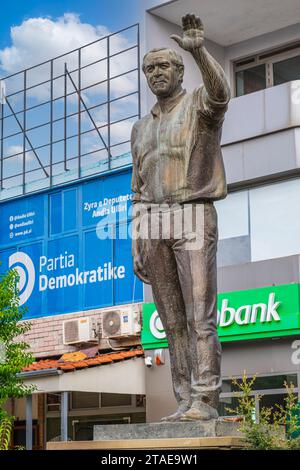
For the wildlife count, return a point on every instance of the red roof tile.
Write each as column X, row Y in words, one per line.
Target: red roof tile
column 88, row 362
column 67, row 367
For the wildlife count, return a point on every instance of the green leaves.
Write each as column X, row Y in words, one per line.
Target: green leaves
column 6, row 425
column 16, row 356
column 276, row 426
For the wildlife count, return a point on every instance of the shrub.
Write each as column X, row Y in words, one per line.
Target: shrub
column 15, row 357
column 276, row 427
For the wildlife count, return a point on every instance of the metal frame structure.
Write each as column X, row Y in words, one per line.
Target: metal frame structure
column 24, row 170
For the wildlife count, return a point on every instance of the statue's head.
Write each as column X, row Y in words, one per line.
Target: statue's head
column 164, row 71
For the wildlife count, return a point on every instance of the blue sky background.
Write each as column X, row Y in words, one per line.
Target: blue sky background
column 115, row 14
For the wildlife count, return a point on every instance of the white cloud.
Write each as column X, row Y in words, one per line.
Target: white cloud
column 13, row 150
column 119, row 132
column 17, row 151
column 39, row 39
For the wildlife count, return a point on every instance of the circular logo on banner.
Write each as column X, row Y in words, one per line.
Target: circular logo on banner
column 156, row 326
column 23, row 264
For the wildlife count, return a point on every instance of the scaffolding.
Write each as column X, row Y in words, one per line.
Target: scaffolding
column 70, row 117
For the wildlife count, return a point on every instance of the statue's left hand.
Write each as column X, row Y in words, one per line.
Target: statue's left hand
column 192, row 33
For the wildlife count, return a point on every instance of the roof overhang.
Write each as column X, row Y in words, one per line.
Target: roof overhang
column 228, row 22
column 121, row 377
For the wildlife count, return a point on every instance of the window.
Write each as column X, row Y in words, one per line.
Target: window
column 250, row 80
column 83, row 400
column 53, row 401
column 115, row 399
column 264, row 70
column 259, row 224
column 63, row 213
column 18, row 437
column 234, row 232
column 274, row 221
column 226, row 404
column 286, row 70
column 267, row 391
column 236, row 203
column 262, row 383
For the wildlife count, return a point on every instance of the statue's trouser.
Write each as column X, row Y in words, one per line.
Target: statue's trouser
column 182, row 272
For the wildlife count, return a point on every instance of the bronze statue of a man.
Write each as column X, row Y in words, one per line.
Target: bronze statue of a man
column 177, row 161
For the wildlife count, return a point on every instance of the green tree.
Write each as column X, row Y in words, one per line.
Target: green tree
column 13, row 353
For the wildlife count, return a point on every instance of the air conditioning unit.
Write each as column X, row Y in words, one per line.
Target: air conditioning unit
column 80, row 330
column 121, row 322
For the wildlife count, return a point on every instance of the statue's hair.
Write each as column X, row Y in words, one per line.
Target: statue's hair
column 175, row 58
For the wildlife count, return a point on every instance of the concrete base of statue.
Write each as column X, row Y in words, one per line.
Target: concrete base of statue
column 165, row 430
column 213, row 434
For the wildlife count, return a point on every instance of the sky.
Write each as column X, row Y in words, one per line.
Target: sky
column 114, row 14
column 34, row 30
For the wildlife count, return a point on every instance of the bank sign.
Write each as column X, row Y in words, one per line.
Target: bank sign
column 248, row 314
column 71, row 247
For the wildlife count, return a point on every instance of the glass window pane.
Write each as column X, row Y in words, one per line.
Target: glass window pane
column 85, row 400
column 230, row 227
column 272, row 401
column 227, row 403
column 275, row 381
column 274, row 221
column 115, row 399
column 262, row 383
column 250, row 80
column 228, row 386
column 55, row 213
column 286, row 70
column 70, row 213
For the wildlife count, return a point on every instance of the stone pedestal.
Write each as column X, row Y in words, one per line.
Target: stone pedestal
column 214, row 434
column 212, row 428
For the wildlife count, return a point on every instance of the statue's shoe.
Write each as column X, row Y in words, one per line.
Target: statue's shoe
column 183, row 408
column 200, row 411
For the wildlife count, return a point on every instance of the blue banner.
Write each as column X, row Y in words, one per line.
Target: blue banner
column 72, row 247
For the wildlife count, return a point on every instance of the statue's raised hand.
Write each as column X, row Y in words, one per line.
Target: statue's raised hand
column 192, row 37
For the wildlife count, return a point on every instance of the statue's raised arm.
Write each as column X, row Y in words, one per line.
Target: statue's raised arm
column 192, row 40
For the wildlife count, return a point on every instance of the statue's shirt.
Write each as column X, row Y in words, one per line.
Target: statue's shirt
column 176, row 152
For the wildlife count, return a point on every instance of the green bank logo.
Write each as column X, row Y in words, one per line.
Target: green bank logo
column 156, row 326
column 249, row 314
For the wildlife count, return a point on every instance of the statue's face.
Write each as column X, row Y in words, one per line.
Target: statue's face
column 163, row 76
